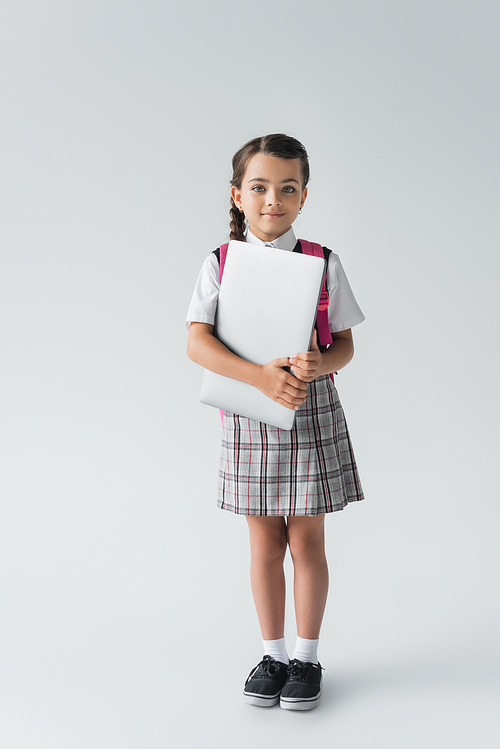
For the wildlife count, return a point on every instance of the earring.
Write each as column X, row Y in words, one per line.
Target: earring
column 300, row 210
column 241, row 209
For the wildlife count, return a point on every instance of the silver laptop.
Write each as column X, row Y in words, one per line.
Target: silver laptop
column 267, row 308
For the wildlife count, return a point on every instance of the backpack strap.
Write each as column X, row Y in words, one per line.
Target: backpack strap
column 222, row 262
column 324, row 335
column 222, row 258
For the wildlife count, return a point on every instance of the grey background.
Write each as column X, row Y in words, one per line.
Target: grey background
column 127, row 618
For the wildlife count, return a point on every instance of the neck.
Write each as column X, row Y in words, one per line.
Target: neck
column 267, row 237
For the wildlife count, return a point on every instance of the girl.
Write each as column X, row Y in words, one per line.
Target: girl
column 283, row 481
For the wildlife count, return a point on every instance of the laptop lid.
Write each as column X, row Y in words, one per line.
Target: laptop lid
column 267, row 307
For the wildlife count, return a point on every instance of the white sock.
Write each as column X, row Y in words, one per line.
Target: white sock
column 306, row 650
column 276, row 649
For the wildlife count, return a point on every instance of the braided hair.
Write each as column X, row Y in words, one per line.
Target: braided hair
column 277, row 145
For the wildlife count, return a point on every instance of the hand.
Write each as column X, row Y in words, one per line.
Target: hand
column 306, row 366
column 280, row 385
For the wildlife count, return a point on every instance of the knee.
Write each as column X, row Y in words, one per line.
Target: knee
column 269, row 550
column 306, row 548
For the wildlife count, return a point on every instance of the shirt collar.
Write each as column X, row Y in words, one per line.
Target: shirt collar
column 287, row 241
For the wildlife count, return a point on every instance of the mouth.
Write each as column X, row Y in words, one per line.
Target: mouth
column 273, row 215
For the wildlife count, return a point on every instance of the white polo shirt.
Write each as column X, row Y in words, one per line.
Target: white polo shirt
column 343, row 310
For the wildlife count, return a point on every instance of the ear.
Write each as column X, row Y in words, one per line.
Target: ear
column 236, row 195
column 303, row 198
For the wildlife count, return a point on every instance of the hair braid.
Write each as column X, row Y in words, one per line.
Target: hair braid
column 237, row 224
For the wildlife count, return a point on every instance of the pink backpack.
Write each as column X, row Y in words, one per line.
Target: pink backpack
column 308, row 248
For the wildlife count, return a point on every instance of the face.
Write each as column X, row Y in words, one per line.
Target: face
column 271, row 195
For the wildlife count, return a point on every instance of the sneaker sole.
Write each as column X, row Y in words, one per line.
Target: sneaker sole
column 261, row 700
column 298, row 703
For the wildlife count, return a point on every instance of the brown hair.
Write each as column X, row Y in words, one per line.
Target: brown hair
column 278, row 145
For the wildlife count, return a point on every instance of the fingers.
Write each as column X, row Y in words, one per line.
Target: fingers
column 292, row 392
column 305, row 365
column 282, row 386
column 307, row 356
column 287, row 404
column 284, row 361
column 294, row 397
column 305, row 370
column 291, row 379
column 294, row 386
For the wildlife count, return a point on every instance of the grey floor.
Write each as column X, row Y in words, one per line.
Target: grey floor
column 161, row 662
column 156, row 695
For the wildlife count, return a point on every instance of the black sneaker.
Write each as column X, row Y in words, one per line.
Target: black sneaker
column 265, row 682
column 302, row 690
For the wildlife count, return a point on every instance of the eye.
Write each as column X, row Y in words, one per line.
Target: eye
column 258, row 188
column 289, row 188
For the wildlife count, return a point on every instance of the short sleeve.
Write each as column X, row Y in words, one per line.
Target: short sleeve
column 343, row 309
column 206, row 293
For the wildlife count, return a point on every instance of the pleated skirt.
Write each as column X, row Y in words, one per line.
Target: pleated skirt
column 309, row 470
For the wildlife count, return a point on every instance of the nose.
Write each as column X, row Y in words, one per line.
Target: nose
column 273, row 198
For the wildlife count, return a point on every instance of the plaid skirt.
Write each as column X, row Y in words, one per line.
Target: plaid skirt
column 308, row 470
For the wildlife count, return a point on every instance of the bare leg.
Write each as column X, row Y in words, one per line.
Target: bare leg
column 268, row 541
column 306, row 539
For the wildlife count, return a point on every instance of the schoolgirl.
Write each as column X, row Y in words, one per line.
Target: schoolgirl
column 284, row 482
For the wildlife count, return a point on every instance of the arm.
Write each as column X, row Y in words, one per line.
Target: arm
column 271, row 379
column 313, row 363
